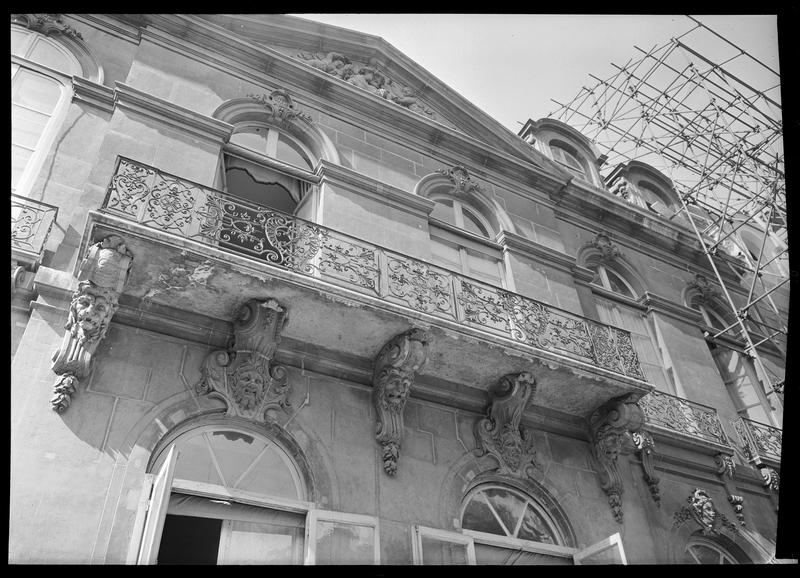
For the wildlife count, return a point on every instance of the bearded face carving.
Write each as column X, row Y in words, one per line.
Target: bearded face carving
column 247, row 386
column 90, row 313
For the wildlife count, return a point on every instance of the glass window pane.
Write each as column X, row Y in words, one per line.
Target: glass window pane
column 19, row 41
column 33, row 90
column 507, row 505
column 235, row 452
column 19, row 160
column 44, row 52
column 341, row 543
column 445, row 254
column 473, row 225
column 535, row 528
column 27, row 126
column 443, row 210
column 478, row 516
column 194, row 462
column 436, row 552
column 253, row 139
column 254, row 543
column 496, row 555
column 483, row 267
column 290, row 152
column 705, row 554
column 271, row 476
column 617, row 284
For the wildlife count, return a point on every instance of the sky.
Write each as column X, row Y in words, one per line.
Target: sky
column 512, row 65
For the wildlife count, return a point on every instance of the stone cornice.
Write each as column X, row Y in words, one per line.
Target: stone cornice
column 654, row 302
column 338, row 175
column 217, row 47
column 540, row 253
column 178, row 117
column 109, row 24
column 92, row 93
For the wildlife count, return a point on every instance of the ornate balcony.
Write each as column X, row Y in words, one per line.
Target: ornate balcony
column 31, row 222
column 760, row 443
column 346, row 292
column 683, row 420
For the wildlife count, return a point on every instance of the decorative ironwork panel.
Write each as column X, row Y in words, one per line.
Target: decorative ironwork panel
column 568, row 333
column 627, row 354
column 484, row 306
column 420, row 286
column 351, row 263
column 31, row 222
column 759, row 441
column 683, row 416
column 603, row 346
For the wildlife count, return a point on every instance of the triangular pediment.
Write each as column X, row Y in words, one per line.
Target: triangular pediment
column 377, row 69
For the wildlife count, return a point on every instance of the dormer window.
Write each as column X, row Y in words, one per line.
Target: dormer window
column 568, row 158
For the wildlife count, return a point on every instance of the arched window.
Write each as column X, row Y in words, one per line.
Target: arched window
column 508, row 525
column 611, row 280
column 41, row 88
column 704, row 550
column 461, row 215
column 249, row 175
column 569, row 158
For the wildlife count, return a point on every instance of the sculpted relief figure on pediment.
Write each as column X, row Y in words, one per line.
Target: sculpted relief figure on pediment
column 367, row 76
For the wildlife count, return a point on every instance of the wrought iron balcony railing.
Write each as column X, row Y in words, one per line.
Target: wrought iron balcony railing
column 163, row 202
column 685, row 417
column 759, row 442
column 31, row 222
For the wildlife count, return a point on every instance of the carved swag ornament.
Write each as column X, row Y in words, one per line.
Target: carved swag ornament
column 609, row 427
column 101, row 277
column 702, row 510
column 393, row 375
column 367, row 77
column 500, row 433
column 243, row 375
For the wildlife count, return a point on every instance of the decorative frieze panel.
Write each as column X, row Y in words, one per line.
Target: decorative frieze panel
column 101, row 277
column 243, row 375
column 169, row 204
column 609, row 426
column 367, row 76
column 682, row 416
column 703, row 511
column 500, row 433
column 394, row 371
column 758, row 441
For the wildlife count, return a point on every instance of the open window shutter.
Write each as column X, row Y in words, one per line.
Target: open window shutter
column 157, row 510
column 608, row 551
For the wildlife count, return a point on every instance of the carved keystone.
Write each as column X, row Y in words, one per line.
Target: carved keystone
column 395, row 367
column 703, row 511
column 102, row 275
column 609, row 426
column 500, row 433
column 243, row 376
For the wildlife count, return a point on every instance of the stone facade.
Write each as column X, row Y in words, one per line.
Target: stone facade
column 398, row 384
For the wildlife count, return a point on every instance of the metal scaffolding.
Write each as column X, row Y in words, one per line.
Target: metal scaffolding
column 685, row 109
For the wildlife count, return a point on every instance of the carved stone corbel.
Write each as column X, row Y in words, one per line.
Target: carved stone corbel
column 703, row 511
column 243, row 376
column 726, row 470
column 101, row 277
column 500, row 433
column 393, row 375
column 609, row 427
column 645, row 450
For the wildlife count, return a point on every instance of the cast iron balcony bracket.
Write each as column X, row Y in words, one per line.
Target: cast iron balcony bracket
column 760, row 443
column 157, row 200
column 683, row 420
column 31, row 223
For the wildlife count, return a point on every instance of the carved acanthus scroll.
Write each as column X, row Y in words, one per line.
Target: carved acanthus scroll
column 609, row 427
column 645, row 450
column 243, row 375
column 500, row 433
column 393, row 375
column 101, row 277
